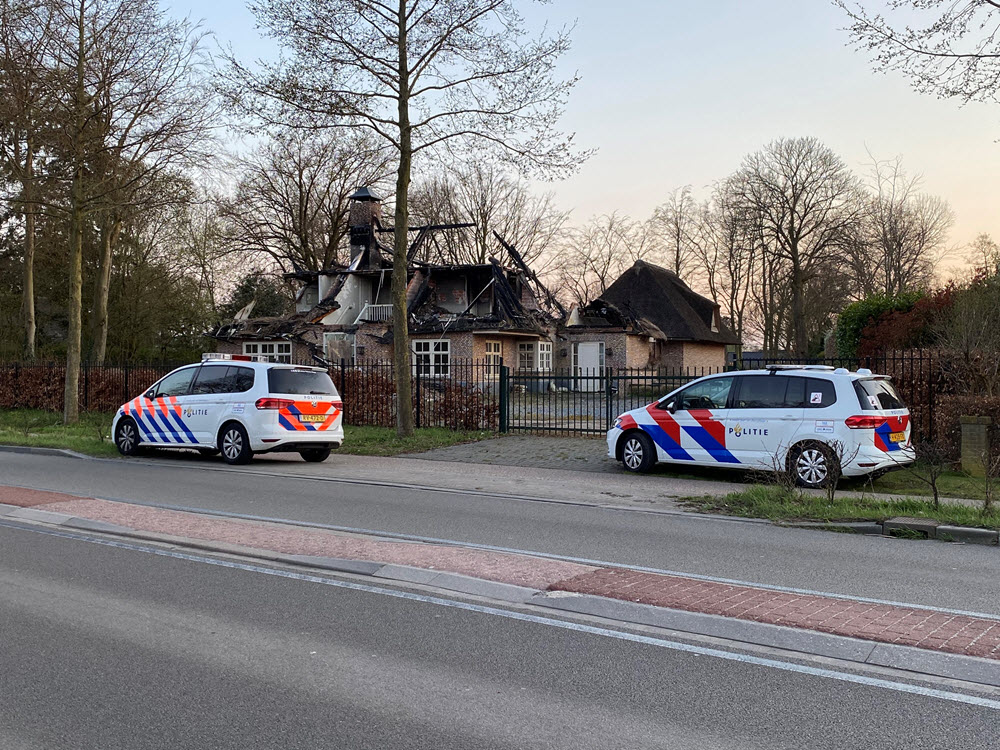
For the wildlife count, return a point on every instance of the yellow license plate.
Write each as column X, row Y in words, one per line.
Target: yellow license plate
column 897, row 437
column 313, row 417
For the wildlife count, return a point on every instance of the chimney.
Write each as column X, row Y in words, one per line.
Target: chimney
column 365, row 213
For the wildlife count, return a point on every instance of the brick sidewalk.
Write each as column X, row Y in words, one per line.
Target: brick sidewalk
column 909, row 626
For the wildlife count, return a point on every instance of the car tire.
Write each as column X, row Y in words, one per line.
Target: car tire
column 638, row 454
column 234, row 444
column 814, row 465
column 208, row 452
column 315, row 455
column 127, row 437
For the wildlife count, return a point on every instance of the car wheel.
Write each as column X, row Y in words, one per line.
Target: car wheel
column 814, row 465
column 127, row 437
column 315, row 455
column 638, row 452
column 208, row 452
column 234, row 444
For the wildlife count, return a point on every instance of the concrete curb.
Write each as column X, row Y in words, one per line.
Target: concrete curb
column 38, row 450
column 793, row 640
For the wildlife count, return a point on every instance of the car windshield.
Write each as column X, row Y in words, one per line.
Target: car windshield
column 876, row 394
column 300, row 382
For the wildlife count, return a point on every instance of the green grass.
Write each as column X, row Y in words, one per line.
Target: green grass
column 781, row 504
column 92, row 435
column 903, row 482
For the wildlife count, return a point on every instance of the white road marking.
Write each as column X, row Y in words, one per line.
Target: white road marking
column 900, row 687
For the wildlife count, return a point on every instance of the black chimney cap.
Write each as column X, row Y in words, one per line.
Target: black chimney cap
column 366, row 194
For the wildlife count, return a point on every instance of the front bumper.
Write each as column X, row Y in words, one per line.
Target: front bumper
column 613, row 434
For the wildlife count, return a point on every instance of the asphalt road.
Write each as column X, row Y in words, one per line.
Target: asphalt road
column 112, row 648
column 927, row 573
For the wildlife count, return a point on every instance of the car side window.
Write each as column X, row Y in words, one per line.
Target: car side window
column 176, row 383
column 820, row 393
column 762, row 392
column 708, row 394
column 240, row 379
column 211, row 379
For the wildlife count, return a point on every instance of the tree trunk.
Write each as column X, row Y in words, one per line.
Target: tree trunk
column 71, row 394
column 400, row 322
column 28, row 274
column 801, row 340
column 99, row 321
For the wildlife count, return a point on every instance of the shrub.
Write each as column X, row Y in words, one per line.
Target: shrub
column 857, row 315
column 949, row 410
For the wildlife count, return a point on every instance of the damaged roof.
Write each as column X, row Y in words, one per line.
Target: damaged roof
column 656, row 302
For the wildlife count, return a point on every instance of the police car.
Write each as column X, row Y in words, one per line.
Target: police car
column 815, row 421
column 237, row 406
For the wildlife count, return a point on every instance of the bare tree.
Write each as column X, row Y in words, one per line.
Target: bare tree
column 675, row 224
column 901, row 234
column 948, row 48
column 424, row 75
column 292, row 200
column 598, row 253
column 807, row 201
column 494, row 200
column 985, row 253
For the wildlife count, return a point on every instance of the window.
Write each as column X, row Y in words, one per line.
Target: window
column 526, row 356
column 432, row 358
column 708, row 394
column 211, row 379
column 278, row 351
column 762, row 392
column 494, row 357
column 545, row 355
column 176, row 383
column 819, row 393
column 881, row 392
column 222, row 379
column 300, row 382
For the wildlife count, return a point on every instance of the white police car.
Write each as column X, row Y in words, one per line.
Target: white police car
column 817, row 422
column 238, row 406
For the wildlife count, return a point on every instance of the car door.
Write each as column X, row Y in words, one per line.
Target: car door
column 765, row 414
column 210, row 395
column 158, row 411
column 695, row 420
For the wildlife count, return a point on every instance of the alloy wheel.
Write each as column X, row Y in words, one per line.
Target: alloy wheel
column 126, row 437
column 632, row 453
column 232, row 444
column 811, row 466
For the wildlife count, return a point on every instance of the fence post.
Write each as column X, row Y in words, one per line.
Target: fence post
column 504, row 399
column 342, row 377
column 128, row 391
column 417, row 391
column 608, row 398
column 86, row 386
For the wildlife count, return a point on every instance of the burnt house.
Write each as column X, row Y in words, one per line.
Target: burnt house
column 495, row 311
column 648, row 319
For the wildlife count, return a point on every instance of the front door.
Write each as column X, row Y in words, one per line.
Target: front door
column 210, row 395
column 698, row 417
column 589, row 365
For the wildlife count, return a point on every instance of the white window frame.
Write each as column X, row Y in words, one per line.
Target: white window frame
column 431, row 357
column 545, row 356
column 527, row 352
column 494, row 357
column 276, row 351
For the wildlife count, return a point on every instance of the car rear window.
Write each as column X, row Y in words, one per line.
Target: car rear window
column 784, row 392
column 222, row 379
column 876, row 394
column 300, row 382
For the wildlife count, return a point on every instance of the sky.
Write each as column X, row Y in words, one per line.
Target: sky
column 677, row 93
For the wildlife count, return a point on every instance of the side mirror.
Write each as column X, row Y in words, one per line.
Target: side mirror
column 150, row 394
column 670, row 406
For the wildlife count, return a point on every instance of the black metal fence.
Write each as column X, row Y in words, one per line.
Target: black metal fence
column 476, row 394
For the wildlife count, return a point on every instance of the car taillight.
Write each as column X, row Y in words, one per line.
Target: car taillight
column 273, row 403
column 338, row 404
column 864, row 422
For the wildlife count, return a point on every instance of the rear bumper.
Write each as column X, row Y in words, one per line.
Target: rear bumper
column 872, row 461
column 279, row 441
